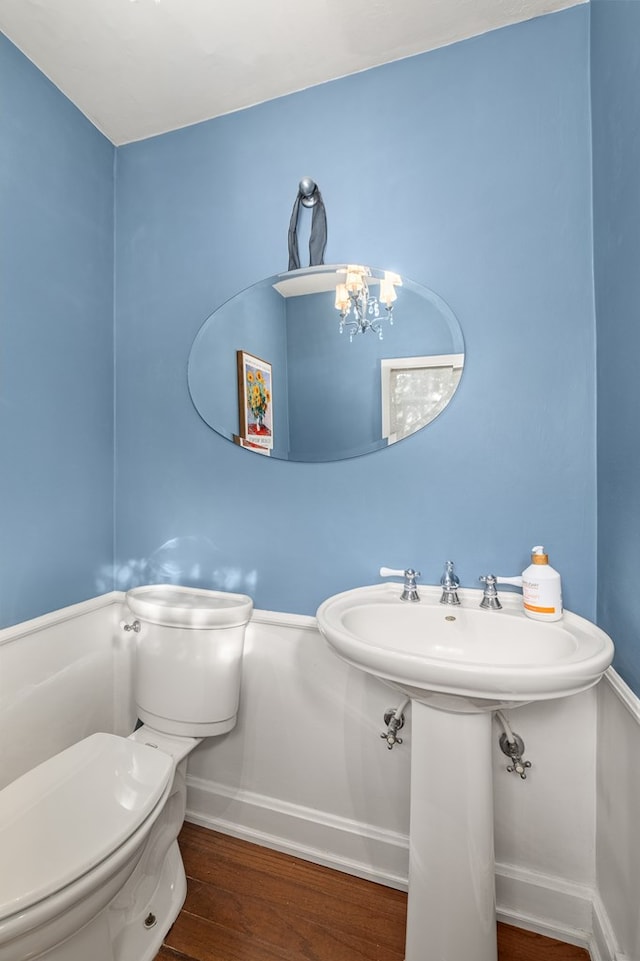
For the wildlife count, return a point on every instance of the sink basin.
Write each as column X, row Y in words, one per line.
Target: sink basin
column 457, row 664
column 463, row 658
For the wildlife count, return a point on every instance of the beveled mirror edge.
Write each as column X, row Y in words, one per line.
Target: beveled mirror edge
column 323, row 279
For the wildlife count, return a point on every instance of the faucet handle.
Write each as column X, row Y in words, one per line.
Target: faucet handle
column 490, row 600
column 515, row 581
column 391, row 572
column 410, row 589
column 490, row 580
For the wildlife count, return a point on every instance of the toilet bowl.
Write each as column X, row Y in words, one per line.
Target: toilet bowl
column 89, row 837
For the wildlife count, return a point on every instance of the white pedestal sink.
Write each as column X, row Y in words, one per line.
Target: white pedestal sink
column 458, row 665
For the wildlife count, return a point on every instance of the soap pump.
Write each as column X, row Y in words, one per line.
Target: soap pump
column 541, row 588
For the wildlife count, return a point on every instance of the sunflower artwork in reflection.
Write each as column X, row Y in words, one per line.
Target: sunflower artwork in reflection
column 254, row 395
column 259, row 398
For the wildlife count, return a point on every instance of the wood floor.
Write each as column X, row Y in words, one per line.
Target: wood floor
column 247, row 903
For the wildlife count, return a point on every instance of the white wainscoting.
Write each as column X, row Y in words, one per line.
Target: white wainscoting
column 63, row 676
column 617, row 901
column 305, row 770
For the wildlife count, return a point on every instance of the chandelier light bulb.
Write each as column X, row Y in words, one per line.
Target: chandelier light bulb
column 359, row 310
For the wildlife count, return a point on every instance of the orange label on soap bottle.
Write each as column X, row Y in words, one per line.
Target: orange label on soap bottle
column 540, row 610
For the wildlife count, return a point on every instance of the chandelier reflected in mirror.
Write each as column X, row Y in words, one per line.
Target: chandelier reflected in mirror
column 360, row 309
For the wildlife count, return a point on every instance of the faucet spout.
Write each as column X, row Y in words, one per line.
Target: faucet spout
column 450, row 583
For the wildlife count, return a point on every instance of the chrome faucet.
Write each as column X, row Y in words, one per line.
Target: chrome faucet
column 450, row 584
column 490, row 600
column 410, row 588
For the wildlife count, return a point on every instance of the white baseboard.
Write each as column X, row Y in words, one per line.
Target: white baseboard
column 536, row 902
column 547, row 905
column 350, row 846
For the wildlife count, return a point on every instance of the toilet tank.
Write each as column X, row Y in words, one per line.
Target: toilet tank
column 188, row 657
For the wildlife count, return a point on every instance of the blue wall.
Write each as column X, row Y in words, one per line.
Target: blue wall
column 616, row 172
column 56, row 347
column 481, row 191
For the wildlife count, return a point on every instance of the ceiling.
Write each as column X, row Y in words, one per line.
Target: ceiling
column 137, row 68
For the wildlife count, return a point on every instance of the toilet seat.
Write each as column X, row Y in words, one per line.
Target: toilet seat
column 72, row 812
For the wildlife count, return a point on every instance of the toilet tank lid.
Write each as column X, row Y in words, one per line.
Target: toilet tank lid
column 174, row 606
column 67, row 815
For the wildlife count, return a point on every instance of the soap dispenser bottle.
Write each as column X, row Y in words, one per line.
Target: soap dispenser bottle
column 541, row 588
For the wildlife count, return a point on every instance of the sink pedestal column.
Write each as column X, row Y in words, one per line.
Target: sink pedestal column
column 451, row 907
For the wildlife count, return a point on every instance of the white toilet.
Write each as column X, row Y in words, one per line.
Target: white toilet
column 91, row 869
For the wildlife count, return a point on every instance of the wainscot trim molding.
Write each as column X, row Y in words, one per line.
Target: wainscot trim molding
column 624, row 694
column 301, row 622
column 603, row 944
column 60, row 616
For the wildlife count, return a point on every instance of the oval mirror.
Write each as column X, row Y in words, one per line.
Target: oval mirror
column 326, row 363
